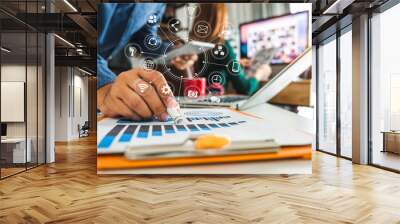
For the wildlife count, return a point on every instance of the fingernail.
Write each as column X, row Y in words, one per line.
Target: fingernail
column 171, row 102
column 164, row 116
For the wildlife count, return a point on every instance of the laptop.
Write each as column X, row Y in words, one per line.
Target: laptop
column 264, row 94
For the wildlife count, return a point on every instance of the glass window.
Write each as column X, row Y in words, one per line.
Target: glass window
column 22, row 91
column 346, row 93
column 327, row 96
column 14, row 151
column 385, row 87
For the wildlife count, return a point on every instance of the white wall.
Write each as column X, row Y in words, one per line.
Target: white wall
column 33, row 127
column 61, row 103
column 71, row 93
column 16, row 72
column 80, row 100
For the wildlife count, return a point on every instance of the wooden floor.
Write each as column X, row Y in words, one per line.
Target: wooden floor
column 5, row 172
column 387, row 159
column 69, row 191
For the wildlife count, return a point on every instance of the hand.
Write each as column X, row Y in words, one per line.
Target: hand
column 263, row 73
column 183, row 62
column 136, row 94
column 245, row 63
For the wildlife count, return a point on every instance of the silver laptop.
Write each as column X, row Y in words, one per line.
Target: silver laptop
column 264, row 94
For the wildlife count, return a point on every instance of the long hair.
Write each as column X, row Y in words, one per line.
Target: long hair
column 214, row 14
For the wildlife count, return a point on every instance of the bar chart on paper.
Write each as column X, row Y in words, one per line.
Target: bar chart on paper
column 114, row 135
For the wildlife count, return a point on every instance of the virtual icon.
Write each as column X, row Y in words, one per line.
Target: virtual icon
column 149, row 64
column 142, row 87
column 166, row 90
column 219, row 51
column 193, row 93
column 132, row 51
column 235, row 66
column 174, row 25
column 152, row 42
column 152, row 19
column 216, row 79
column 202, row 29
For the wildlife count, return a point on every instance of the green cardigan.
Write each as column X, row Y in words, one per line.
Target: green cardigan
column 242, row 84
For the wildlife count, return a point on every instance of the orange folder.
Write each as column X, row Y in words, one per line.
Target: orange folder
column 107, row 162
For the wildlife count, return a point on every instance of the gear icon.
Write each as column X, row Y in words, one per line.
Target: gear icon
column 165, row 90
column 152, row 19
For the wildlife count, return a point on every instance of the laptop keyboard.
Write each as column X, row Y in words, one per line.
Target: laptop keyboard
column 226, row 99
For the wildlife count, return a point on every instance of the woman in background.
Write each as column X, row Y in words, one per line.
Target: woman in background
column 216, row 15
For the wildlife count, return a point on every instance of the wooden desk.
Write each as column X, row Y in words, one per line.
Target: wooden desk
column 391, row 141
column 297, row 93
column 17, row 154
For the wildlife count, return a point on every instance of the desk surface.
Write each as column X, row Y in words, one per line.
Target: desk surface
column 391, row 132
column 274, row 115
column 283, row 118
column 13, row 140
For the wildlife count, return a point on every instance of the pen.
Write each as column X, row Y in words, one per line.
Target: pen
column 174, row 111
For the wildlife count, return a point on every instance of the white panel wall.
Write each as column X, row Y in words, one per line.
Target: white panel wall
column 33, row 127
column 14, row 73
column 12, row 101
column 71, row 94
column 61, row 104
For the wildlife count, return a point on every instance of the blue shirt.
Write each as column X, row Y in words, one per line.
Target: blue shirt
column 118, row 24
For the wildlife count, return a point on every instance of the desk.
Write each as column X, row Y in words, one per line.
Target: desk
column 18, row 151
column 391, row 141
column 283, row 118
column 274, row 115
column 297, row 93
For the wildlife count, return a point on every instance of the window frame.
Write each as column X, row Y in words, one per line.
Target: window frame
column 31, row 30
column 333, row 37
column 381, row 9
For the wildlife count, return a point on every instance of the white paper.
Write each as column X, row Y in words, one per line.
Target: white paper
column 235, row 132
